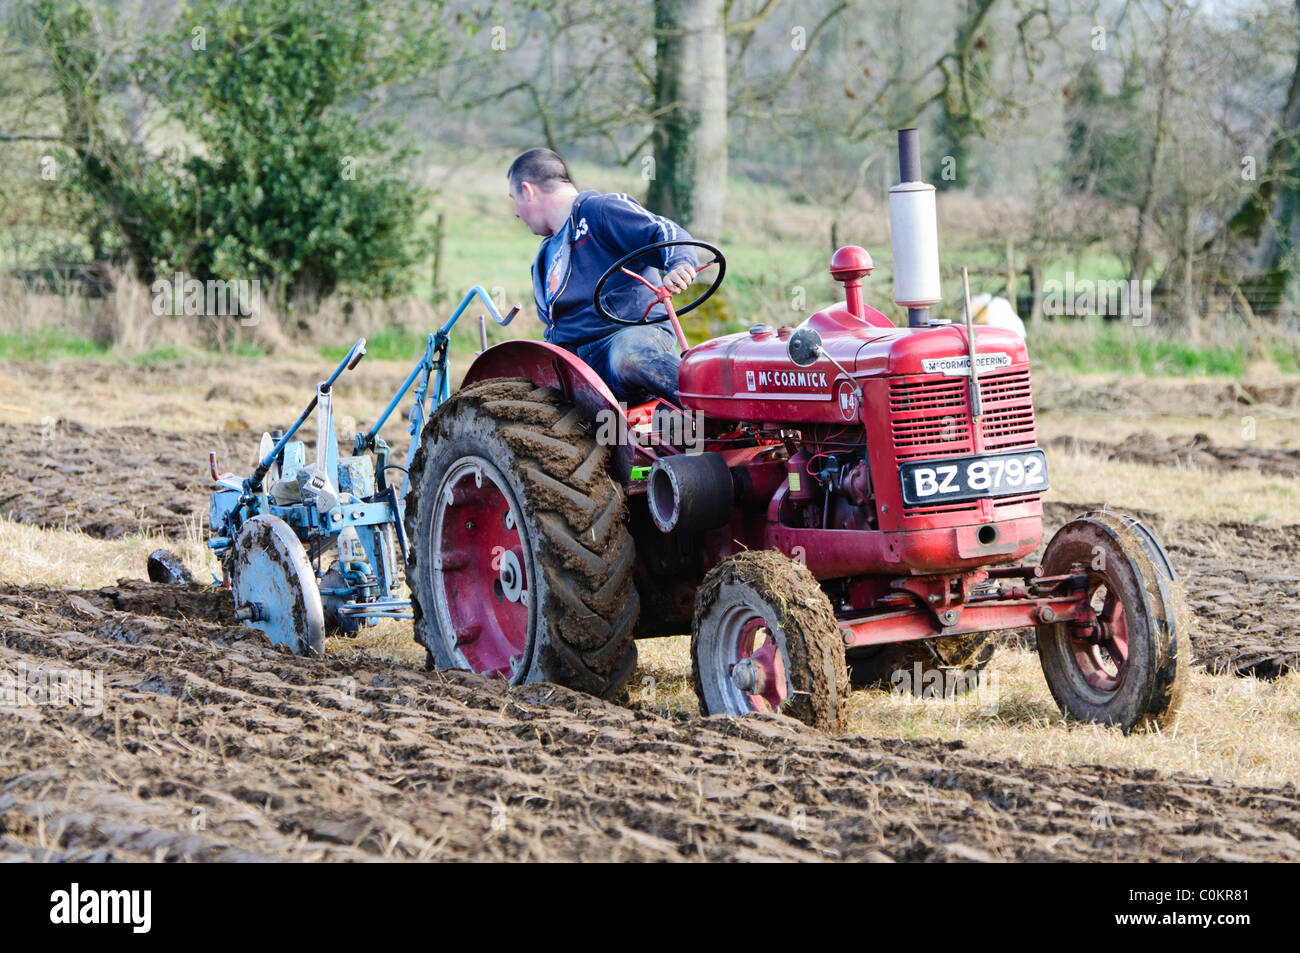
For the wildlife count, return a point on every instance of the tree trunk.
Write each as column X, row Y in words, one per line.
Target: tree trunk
column 690, row 133
column 67, row 37
column 1139, row 259
column 1261, row 239
column 1190, row 310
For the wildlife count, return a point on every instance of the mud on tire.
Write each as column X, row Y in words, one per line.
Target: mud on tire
column 1145, row 688
column 786, row 598
column 576, row 553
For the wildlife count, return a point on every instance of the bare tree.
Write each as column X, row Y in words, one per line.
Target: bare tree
column 689, row 182
column 1260, row 242
column 1175, row 14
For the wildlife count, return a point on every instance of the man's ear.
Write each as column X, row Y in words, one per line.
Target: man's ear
column 528, row 191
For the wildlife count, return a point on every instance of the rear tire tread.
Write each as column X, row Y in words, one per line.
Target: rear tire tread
column 578, row 521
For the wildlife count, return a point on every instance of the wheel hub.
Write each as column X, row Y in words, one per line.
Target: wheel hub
column 1099, row 643
column 755, row 670
column 749, row 676
column 512, row 576
column 480, row 575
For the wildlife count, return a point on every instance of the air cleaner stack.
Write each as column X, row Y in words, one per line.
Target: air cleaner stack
column 914, row 233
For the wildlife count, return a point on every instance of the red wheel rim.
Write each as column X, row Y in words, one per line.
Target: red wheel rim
column 480, row 574
column 758, row 665
column 1102, row 655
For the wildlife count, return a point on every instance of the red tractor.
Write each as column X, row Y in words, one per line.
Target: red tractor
column 829, row 506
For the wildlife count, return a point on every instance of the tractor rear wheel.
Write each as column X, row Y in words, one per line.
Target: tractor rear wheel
column 765, row 639
column 955, row 662
column 519, row 558
column 1130, row 668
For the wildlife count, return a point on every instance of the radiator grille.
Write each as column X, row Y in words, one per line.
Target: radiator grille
column 1008, row 419
column 930, row 418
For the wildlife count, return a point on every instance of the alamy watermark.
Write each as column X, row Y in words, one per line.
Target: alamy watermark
column 75, row 906
column 958, row 686
column 23, row 687
column 684, row 429
column 185, row 296
column 1129, row 298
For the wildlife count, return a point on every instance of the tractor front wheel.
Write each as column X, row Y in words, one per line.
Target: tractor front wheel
column 765, row 639
column 519, row 558
column 1128, row 665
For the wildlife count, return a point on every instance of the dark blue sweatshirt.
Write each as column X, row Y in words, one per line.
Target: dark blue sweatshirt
column 602, row 229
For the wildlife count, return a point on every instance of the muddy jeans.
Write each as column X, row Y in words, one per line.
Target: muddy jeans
column 636, row 362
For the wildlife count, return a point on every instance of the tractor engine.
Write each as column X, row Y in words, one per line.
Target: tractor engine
column 876, row 434
column 905, row 450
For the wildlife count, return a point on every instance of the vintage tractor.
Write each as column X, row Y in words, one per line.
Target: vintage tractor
column 829, row 505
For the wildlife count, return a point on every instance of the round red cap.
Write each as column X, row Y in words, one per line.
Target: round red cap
column 851, row 262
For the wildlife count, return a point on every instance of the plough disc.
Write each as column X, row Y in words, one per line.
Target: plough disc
column 275, row 587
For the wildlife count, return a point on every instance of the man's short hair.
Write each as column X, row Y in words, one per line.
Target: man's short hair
column 542, row 167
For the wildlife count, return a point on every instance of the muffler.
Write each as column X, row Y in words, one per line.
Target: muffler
column 914, row 229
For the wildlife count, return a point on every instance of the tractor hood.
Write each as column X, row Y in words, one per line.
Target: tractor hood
column 748, row 376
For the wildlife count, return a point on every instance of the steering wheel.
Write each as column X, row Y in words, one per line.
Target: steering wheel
column 661, row 293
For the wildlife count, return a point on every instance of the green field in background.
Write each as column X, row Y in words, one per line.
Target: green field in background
column 777, row 253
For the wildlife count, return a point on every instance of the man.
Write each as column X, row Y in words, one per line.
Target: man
column 585, row 233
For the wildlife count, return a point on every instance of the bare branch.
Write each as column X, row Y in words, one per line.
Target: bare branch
column 743, row 27
column 5, row 137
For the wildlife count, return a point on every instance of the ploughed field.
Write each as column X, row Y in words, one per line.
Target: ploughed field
column 1243, row 579
column 205, row 743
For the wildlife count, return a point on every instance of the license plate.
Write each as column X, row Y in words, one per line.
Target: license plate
column 973, row 478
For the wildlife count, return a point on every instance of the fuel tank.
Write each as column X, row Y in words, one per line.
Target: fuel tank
column 748, row 376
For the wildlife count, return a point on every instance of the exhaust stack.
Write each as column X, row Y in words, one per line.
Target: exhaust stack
column 914, row 230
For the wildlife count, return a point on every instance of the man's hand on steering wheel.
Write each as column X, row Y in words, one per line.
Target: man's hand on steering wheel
column 674, row 282
column 679, row 279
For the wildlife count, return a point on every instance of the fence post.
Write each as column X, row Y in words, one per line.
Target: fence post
column 1035, row 291
column 1011, row 271
column 435, row 292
